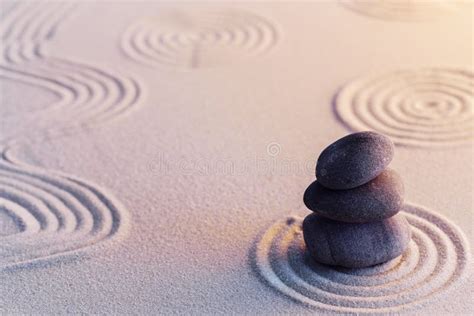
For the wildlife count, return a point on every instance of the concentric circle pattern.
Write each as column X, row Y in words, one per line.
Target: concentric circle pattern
column 87, row 95
column 437, row 258
column 403, row 10
column 198, row 39
column 425, row 107
column 55, row 214
column 46, row 214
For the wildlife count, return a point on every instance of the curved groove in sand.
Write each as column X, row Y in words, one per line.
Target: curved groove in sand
column 59, row 214
column 56, row 214
column 200, row 39
column 436, row 261
column 431, row 107
column 88, row 95
column 403, row 10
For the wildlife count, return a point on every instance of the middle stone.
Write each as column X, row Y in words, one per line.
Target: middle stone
column 376, row 200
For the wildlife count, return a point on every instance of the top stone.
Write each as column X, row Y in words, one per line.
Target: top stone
column 354, row 160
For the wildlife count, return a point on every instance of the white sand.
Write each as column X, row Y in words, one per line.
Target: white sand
column 179, row 134
column 436, row 260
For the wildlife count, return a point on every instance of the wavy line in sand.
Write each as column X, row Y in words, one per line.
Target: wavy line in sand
column 56, row 214
column 437, row 259
column 87, row 95
column 198, row 39
column 404, row 10
column 431, row 107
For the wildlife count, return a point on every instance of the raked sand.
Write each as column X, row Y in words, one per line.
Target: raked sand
column 154, row 156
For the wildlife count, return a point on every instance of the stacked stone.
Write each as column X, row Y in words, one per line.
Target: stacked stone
column 355, row 202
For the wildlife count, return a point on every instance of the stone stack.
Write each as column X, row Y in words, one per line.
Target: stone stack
column 355, row 202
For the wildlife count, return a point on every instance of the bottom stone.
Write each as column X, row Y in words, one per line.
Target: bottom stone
column 355, row 245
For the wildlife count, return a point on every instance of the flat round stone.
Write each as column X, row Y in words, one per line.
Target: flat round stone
column 376, row 200
column 353, row 245
column 354, row 160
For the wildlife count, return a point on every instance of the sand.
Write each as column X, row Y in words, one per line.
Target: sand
column 422, row 107
column 154, row 156
column 436, row 260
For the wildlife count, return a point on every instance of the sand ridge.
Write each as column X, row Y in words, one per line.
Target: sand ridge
column 188, row 251
column 429, row 107
column 55, row 213
column 436, row 260
column 198, row 39
column 88, row 95
column 404, row 10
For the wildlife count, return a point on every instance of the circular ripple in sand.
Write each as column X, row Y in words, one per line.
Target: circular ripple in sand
column 436, row 259
column 403, row 10
column 47, row 214
column 198, row 39
column 425, row 107
column 87, row 94
column 55, row 214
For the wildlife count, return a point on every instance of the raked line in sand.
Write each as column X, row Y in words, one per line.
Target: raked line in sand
column 55, row 214
column 432, row 107
column 198, row 39
column 87, row 95
column 405, row 10
column 436, row 260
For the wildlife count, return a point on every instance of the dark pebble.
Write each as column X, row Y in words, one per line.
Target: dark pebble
column 353, row 245
column 354, row 160
column 376, row 200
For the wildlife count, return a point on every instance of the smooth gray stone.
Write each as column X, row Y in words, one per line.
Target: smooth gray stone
column 376, row 200
column 354, row 245
column 354, row 160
